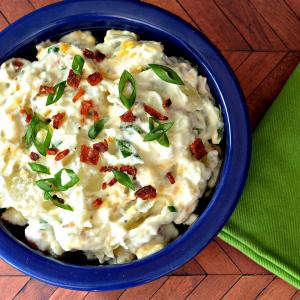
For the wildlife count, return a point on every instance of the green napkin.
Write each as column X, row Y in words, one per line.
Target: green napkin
column 266, row 223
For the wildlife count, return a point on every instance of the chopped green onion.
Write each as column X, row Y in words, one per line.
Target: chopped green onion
column 47, row 185
column 172, row 208
column 57, row 201
column 77, row 64
column 220, row 132
column 30, row 132
column 58, row 92
column 164, row 141
column 135, row 127
column 166, row 74
column 42, row 146
column 53, row 49
column 97, row 128
column 124, row 179
column 73, row 179
column 39, row 168
column 126, row 148
column 127, row 101
column 198, row 130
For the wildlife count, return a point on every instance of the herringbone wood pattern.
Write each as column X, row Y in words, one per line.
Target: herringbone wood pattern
column 261, row 41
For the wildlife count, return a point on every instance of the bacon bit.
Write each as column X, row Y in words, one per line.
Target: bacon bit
column 17, row 64
column 80, row 93
column 96, row 203
column 170, row 177
column 57, row 120
column 128, row 117
column 104, row 169
column 34, row 156
column 198, row 149
column 46, row 90
column 99, row 56
column 86, row 107
column 147, row 192
column 112, row 182
column 73, row 79
column 167, row 103
column 60, row 155
column 101, row 146
column 129, row 170
column 95, row 116
column 28, row 118
column 52, row 151
column 154, row 113
column 104, row 185
column 89, row 155
column 94, row 78
column 23, row 111
column 88, row 53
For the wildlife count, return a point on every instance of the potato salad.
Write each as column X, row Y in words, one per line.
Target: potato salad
column 105, row 147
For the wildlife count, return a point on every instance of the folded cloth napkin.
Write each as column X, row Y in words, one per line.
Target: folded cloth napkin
column 266, row 223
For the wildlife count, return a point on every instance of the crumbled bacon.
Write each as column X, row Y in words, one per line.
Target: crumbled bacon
column 57, row 120
column 167, row 103
column 28, row 118
column 99, row 56
column 46, row 90
column 129, row 170
column 89, row 155
column 101, row 146
column 170, row 177
column 95, row 116
column 80, row 93
column 94, row 78
column 86, row 107
column 17, row 64
column 62, row 154
column 73, row 79
column 34, row 156
column 52, row 151
column 104, row 169
column 88, row 53
column 23, row 111
column 154, row 113
column 96, row 203
column 112, row 182
column 198, row 149
column 147, row 192
column 104, row 185
column 128, row 117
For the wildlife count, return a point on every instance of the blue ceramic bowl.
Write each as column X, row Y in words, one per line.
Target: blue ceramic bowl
column 179, row 39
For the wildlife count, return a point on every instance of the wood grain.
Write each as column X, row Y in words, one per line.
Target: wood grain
column 261, row 41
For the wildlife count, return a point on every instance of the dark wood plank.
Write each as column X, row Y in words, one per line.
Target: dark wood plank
column 294, row 5
column 112, row 295
column 65, row 294
column 35, row 290
column 282, row 20
column 3, row 22
column 11, row 285
column 248, row 287
column 235, row 58
column 178, row 287
column 41, row 3
column 278, row 289
column 190, row 268
column 7, row 270
column 251, row 25
column 146, row 291
column 213, row 287
column 296, row 296
column 215, row 25
column 174, row 7
column 260, row 100
column 256, row 68
column 15, row 9
column 215, row 261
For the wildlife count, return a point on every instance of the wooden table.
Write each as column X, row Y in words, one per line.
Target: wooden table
column 261, row 41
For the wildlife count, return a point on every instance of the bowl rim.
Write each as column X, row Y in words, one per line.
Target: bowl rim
column 231, row 180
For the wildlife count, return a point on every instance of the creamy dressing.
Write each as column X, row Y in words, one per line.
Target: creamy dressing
column 123, row 227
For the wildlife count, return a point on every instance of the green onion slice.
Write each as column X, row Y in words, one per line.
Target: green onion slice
column 135, row 127
column 172, row 208
column 73, row 179
column 44, row 145
column 58, row 92
column 164, row 141
column 30, row 132
column 39, row 168
column 124, row 179
column 166, row 74
column 57, row 201
column 77, row 64
column 53, row 49
column 127, row 101
column 47, row 185
column 126, row 148
column 97, row 128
